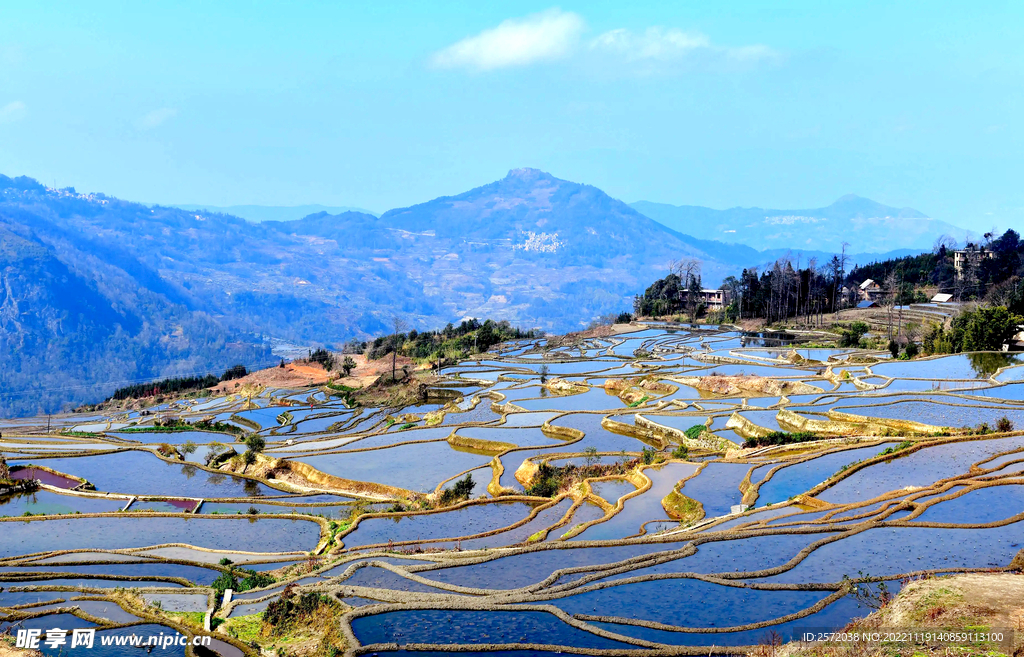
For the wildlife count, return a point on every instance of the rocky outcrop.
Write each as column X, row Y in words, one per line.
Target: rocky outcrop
column 734, row 386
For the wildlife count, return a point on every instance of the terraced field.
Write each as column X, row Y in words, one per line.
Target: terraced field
column 628, row 499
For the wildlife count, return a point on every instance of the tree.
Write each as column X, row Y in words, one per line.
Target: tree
column 890, row 298
column 188, row 448
column 986, row 329
column 590, row 456
column 254, row 445
column 688, row 272
column 399, row 325
column 214, row 452
column 851, row 337
column 347, row 364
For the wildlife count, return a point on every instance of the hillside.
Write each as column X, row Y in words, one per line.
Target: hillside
column 75, row 312
column 119, row 290
column 866, row 225
column 258, row 213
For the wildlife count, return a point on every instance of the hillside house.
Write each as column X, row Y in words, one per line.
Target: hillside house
column 870, row 290
column 972, row 255
column 712, row 299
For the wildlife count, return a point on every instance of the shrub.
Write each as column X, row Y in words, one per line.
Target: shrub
column 225, row 581
column 894, row 348
column 647, row 455
column 460, row 491
column 1004, row 424
column 282, row 613
column 234, row 372
column 323, row 357
column 255, row 580
column 694, row 432
column 911, row 350
column 851, row 336
column 255, row 443
column 895, row 448
column 681, row 452
column 781, row 438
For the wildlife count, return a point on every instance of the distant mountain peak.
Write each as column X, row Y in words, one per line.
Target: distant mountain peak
column 528, row 174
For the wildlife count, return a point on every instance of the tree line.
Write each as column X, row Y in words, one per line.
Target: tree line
column 176, row 385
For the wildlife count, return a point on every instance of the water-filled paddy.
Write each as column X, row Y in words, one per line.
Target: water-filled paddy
column 800, row 478
column 473, row 519
column 362, row 445
column 717, row 487
column 264, row 535
column 920, row 468
column 44, row 502
column 142, row 473
column 473, row 627
column 642, row 508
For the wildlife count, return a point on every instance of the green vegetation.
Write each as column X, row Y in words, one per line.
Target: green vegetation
column 448, row 344
column 240, row 579
column 255, row 445
column 696, row 431
column 460, row 491
column 982, row 329
column 896, row 448
column 323, row 357
column 681, row 452
column 171, row 425
column 176, row 385
column 551, row 480
column 781, row 438
column 851, row 336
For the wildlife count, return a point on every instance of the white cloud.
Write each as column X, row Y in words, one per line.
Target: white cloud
column 658, row 44
column 156, row 118
column 546, row 36
column 653, row 43
column 13, row 111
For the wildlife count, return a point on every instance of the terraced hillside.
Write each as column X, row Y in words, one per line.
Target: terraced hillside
column 663, row 490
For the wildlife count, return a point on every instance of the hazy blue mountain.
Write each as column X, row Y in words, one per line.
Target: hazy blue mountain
column 260, row 213
column 868, row 226
column 96, row 291
column 530, row 247
column 80, row 313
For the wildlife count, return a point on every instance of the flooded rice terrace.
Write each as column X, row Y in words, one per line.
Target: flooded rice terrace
column 662, row 488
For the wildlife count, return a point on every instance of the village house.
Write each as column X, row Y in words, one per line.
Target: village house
column 869, row 290
column 972, row 255
column 712, row 299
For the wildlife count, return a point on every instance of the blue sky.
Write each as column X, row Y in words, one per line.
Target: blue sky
column 381, row 105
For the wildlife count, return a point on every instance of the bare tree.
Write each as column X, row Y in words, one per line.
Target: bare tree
column 890, row 295
column 946, row 241
column 688, row 271
column 399, row 325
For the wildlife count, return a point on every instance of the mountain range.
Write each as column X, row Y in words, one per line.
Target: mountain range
column 868, row 226
column 258, row 213
column 98, row 291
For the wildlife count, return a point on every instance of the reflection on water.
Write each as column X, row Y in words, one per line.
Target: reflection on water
column 987, row 363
